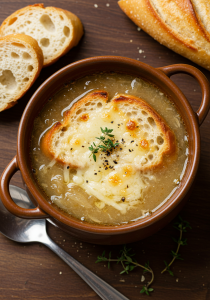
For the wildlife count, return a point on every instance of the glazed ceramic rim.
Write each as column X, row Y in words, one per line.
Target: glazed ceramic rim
column 118, row 229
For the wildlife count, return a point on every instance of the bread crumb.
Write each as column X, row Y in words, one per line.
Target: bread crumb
column 142, row 278
column 60, row 273
column 176, row 181
column 95, row 5
column 107, row 4
column 138, row 28
column 131, row 41
column 177, row 279
column 121, row 280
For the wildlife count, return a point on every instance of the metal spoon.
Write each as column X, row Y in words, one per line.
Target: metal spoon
column 27, row 231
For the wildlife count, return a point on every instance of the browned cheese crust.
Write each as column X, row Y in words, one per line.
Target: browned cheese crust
column 178, row 24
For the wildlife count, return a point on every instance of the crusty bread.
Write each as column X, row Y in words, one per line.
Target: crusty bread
column 21, row 61
column 144, row 137
column 181, row 25
column 56, row 30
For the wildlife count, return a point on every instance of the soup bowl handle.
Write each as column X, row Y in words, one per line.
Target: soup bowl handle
column 202, row 80
column 6, row 199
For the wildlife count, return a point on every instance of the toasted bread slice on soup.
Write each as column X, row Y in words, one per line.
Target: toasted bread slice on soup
column 143, row 136
column 21, row 62
column 56, row 30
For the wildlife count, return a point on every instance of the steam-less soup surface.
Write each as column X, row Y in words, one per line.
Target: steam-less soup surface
column 111, row 189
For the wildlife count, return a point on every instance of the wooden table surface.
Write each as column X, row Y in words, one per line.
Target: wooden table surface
column 32, row 271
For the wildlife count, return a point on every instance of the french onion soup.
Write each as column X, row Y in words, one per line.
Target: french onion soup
column 109, row 149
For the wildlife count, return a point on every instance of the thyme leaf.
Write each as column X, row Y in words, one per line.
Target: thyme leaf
column 106, row 144
column 181, row 225
column 129, row 264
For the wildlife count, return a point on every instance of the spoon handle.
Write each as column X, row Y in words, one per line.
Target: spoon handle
column 103, row 289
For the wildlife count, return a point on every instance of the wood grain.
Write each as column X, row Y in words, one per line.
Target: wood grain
column 32, row 271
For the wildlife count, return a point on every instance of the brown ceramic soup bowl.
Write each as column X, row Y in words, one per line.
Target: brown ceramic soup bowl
column 96, row 233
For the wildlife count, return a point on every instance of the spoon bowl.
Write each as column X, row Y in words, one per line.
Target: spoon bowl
column 21, row 230
column 27, row 231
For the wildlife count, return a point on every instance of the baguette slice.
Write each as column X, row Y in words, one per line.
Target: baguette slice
column 144, row 137
column 21, row 60
column 181, row 25
column 56, row 30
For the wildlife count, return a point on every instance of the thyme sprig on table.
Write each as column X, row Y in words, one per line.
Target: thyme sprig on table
column 182, row 226
column 106, row 144
column 129, row 264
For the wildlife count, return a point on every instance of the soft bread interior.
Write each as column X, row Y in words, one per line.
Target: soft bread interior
column 21, row 61
column 55, row 30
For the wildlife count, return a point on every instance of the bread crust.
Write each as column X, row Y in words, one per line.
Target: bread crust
column 157, row 19
column 76, row 27
column 169, row 148
column 32, row 44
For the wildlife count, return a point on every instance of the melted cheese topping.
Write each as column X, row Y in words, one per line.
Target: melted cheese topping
column 112, row 187
column 134, row 147
column 115, row 179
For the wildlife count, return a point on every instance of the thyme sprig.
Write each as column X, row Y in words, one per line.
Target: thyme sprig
column 106, row 144
column 182, row 226
column 129, row 264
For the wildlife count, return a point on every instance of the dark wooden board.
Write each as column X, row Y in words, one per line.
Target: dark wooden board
column 32, row 271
